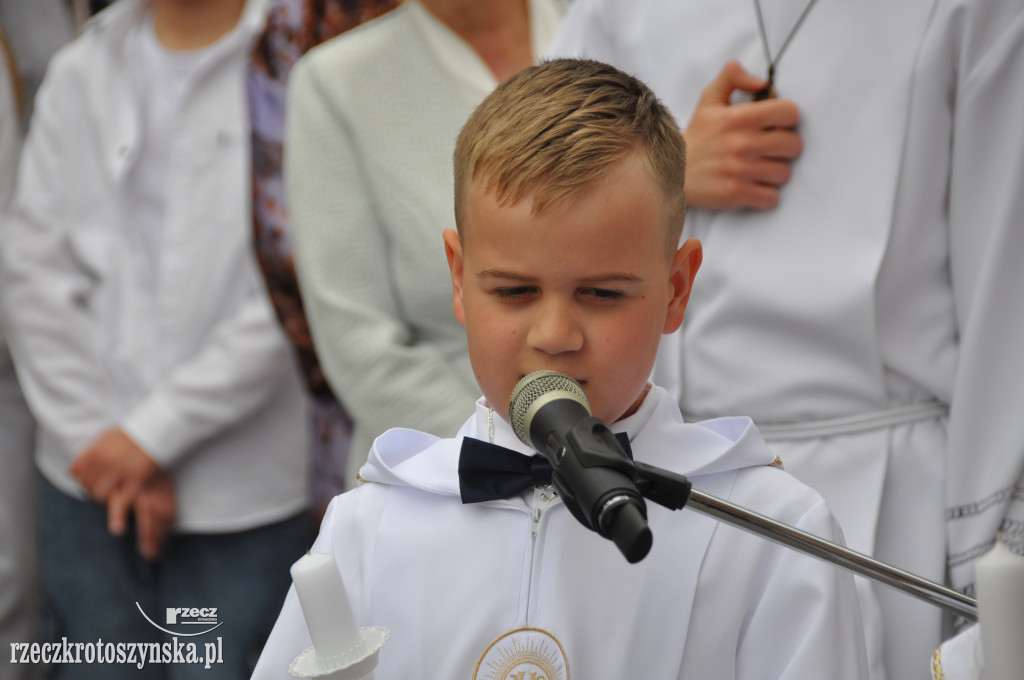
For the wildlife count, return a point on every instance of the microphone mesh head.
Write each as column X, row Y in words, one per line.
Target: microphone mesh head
column 534, row 386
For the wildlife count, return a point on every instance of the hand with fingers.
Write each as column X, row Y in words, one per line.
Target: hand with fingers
column 117, row 472
column 739, row 155
column 154, row 508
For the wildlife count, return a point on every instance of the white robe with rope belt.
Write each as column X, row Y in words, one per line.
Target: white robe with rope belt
column 884, row 286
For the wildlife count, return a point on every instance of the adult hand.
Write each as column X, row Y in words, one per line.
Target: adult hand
column 113, row 470
column 155, row 508
column 738, row 155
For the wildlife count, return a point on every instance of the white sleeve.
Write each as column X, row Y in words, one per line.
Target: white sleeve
column 805, row 617
column 44, row 280
column 243, row 362
column 985, row 465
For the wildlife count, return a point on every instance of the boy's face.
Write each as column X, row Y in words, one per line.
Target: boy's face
column 584, row 288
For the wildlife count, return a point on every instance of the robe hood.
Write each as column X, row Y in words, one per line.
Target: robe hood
column 657, row 435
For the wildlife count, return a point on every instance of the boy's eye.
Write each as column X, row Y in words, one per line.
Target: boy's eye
column 603, row 294
column 513, row 293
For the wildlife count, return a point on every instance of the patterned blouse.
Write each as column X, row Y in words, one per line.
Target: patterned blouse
column 293, row 28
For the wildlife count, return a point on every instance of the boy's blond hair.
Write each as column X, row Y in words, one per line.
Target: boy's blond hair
column 551, row 131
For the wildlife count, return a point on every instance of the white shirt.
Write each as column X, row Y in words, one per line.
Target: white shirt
column 168, row 75
column 191, row 364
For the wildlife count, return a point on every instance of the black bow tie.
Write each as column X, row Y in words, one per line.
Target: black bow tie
column 490, row 472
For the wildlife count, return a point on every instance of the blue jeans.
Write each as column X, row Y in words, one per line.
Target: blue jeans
column 97, row 587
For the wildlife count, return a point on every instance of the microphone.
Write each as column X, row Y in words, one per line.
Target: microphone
column 600, row 485
column 595, row 478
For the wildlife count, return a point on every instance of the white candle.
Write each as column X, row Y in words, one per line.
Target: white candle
column 325, row 604
column 1000, row 581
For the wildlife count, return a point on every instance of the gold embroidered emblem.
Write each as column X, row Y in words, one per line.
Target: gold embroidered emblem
column 523, row 654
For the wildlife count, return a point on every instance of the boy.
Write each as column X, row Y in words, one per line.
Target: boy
column 569, row 208
column 169, row 407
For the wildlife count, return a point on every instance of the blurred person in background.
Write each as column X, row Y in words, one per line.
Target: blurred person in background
column 371, row 126
column 171, row 437
column 35, row 29
column 18, row 570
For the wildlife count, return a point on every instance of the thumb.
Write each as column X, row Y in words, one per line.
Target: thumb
column 732, row 77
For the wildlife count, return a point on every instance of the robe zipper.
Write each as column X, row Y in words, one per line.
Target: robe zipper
column 547, row 495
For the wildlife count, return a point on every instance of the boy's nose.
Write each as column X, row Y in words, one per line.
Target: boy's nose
column 554, row 330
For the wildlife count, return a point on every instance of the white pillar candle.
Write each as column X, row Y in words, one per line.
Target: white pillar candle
column 1000, row 581
column 325, row 604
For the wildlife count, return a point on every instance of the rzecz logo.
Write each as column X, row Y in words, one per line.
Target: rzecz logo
column 187, row 616
column 202, row 616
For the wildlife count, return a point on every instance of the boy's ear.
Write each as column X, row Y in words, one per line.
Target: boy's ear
column 453, row 251
column 683, row 270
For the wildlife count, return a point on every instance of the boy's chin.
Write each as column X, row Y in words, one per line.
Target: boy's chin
column 630, row 409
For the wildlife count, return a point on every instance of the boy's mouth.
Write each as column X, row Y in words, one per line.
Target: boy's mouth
column 582, row 381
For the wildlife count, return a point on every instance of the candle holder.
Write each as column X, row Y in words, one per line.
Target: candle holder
column 351, row 664
column 340, row 650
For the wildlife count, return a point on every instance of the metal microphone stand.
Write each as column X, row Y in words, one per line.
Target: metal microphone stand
column 674, row 491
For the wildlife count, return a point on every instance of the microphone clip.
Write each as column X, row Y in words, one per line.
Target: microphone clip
column 601, row 477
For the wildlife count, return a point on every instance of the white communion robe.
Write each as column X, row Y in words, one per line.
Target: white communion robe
column 871, row 324
column 709, row 601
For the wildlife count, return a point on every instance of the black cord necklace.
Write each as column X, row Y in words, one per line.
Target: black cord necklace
column 769, row 90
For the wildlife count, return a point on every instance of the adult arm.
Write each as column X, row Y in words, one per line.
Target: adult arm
column 46, row 280
column 985, row 478
column 235, row 372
